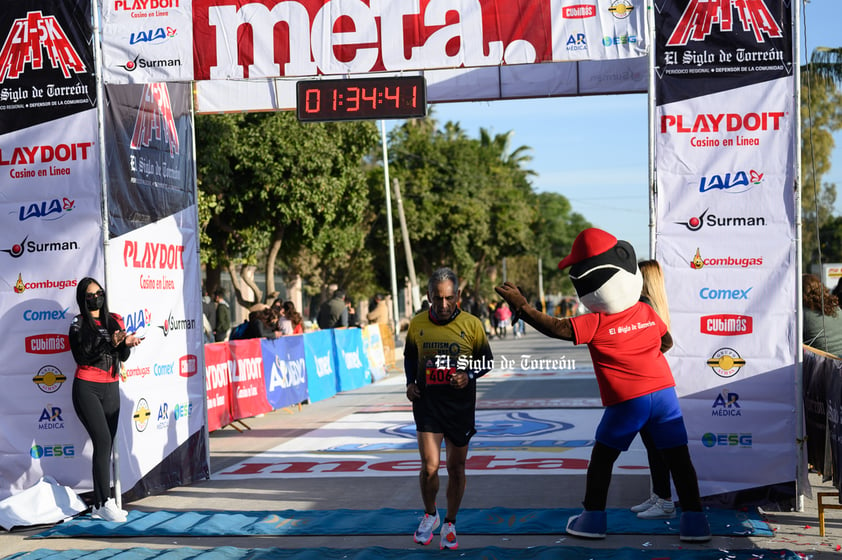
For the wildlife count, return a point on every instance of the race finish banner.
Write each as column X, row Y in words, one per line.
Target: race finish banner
column 248, row 54
column 725, row 166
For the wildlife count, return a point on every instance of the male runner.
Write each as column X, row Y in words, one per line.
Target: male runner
column 446, row 351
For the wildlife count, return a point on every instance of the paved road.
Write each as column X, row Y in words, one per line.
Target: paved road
column 566, row 393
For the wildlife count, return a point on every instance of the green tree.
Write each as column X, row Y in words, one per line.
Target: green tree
column 272, row 188
column 821, row 116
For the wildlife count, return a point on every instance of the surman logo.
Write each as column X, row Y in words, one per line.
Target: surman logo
column 31, row 39
column 155, row 119
column 698, row 18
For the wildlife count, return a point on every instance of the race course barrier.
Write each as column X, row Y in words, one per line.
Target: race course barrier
column 245, row 378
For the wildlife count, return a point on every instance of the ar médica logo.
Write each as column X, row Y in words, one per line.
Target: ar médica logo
column 32, row 40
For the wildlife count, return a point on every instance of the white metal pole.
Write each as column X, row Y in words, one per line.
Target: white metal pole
column 800, row 439
column 103, row 170
column 389, row 229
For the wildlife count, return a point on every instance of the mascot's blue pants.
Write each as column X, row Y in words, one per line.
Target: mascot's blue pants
column 660, row 415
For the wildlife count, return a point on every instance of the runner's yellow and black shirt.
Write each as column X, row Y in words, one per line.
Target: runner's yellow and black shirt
column 434, row 350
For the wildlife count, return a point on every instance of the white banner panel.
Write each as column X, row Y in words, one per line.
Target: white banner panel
column 147, row 41
column 50, row 237
column 153, row 272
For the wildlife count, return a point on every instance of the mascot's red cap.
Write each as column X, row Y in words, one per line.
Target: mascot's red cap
column 589, row 243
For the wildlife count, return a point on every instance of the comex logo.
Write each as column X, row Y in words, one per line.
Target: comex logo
column 28, row 41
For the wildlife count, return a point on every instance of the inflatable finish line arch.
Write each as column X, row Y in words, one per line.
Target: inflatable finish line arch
column 98, row 172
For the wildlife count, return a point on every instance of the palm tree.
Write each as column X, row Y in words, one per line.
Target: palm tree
column 826, row 62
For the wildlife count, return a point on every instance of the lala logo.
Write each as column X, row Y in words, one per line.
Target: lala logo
column 31, row 39
column 155, row 119
column 699, row 16
column 737, row 182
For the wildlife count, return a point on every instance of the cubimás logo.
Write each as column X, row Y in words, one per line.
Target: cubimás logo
column 49, row 379
column 726, row 362
column 579, row 11
column 699, row 16
column 141, row 415
column 696, row 223
column 47, row 343
column 31, row 40
column 726, row 325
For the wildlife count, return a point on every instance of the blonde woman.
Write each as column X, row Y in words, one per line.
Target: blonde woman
column 659, row 505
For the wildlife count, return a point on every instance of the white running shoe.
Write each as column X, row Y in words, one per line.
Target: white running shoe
column 643, row 506
column 109, row 512
column 661, row 509
column 424, row 534
column 448, row 537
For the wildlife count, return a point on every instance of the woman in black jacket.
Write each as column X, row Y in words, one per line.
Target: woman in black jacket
column 99, row 343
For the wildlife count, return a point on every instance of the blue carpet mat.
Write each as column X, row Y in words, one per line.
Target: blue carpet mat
column 494, row 521
column 487, row 553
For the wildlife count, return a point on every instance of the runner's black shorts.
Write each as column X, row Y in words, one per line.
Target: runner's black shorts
column 453, row 417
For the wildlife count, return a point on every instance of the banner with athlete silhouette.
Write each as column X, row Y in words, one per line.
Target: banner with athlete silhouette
column 725, row 127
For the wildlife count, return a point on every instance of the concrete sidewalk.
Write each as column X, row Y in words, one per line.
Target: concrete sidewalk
column 796, row 531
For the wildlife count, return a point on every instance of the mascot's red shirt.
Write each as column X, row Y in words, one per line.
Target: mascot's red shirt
column 626, row 351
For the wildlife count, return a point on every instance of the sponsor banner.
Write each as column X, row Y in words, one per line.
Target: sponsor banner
column 153, row 284
column 337, row 37
column 147, row 41
column 545, row 441
column 50, row 237
column 705, row 47
column 150, row 156
column 373, row 348
column 284, row 370
column 320, row 359
column 352, row 371
column 248, row 386
column 725, row 161
column 217, row 383
column 46, row 62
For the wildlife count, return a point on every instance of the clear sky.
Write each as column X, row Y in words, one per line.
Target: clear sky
column 594, row 150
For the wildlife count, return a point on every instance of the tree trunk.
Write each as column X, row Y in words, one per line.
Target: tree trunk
column 271, row 257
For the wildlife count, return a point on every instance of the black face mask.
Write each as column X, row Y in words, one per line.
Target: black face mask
column 94, row 301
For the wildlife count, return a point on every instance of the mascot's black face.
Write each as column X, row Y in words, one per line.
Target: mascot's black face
column 609, row 282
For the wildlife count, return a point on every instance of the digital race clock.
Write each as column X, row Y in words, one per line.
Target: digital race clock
column 400, row 97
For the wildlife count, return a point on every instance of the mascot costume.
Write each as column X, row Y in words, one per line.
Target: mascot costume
column 626, row 340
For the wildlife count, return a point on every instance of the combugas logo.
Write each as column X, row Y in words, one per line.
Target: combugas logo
column 697, row 21
column 32, row 40
column 724, row 262
column 726, row 362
